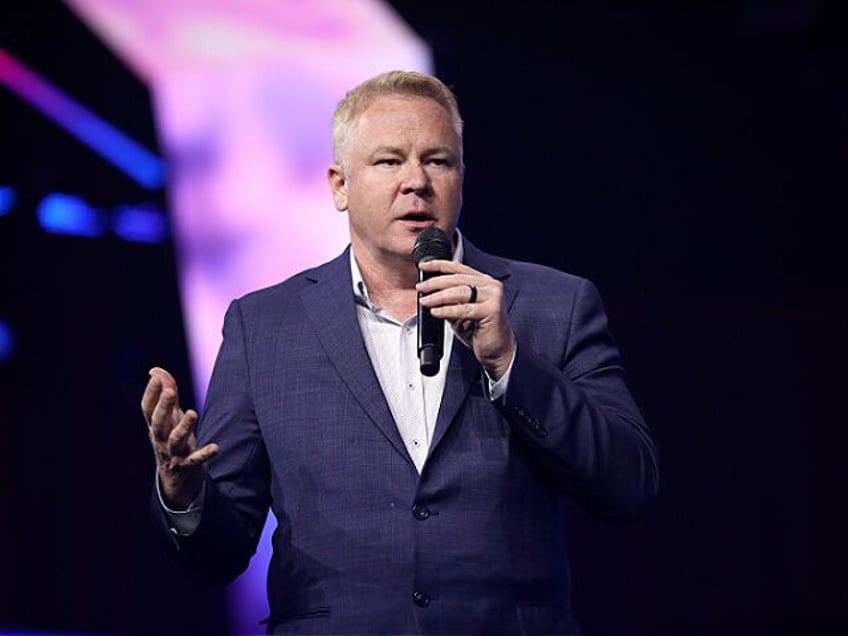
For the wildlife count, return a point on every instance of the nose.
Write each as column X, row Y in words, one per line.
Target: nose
column 415, row 179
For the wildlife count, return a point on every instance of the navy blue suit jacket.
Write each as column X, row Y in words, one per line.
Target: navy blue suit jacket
column 364, row 545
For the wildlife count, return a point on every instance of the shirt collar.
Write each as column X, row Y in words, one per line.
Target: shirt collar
column 360, row 291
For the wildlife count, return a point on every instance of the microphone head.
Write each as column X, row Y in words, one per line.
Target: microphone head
column 432, row 243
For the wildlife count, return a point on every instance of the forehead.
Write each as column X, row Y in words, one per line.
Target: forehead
column 403, row 118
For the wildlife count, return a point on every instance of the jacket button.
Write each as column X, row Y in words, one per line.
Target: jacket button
column 421, row 598
column 420, row 511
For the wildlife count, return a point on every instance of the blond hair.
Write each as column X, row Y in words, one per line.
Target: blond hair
column 401, row 83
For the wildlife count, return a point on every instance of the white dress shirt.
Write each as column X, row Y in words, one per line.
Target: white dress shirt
column 413, row 397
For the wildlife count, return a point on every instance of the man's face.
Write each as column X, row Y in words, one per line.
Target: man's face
column 403, row 172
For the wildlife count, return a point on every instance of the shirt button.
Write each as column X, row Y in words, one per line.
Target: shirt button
column 410, row 386
column 420, row 512
column 416, row 443
column 421, row 598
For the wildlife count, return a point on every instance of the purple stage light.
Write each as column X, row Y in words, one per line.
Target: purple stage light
column 116, row 147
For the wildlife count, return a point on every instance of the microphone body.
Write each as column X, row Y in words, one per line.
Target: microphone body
column 431, row 244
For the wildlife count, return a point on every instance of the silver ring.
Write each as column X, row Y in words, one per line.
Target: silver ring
column 473, row 294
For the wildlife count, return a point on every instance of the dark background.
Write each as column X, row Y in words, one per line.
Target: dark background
column 690, row 158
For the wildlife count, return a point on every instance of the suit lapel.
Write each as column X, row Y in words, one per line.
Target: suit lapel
column 330, row 306
column 464, row 371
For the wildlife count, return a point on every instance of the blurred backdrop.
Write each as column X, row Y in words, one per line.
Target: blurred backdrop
column 690, row 158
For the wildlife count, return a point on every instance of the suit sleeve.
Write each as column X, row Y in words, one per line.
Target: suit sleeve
column 579, row 417
column 237, row 488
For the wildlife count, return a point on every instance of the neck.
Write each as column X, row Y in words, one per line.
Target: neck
column 391, row 285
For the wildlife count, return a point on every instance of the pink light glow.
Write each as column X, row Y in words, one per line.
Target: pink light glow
column 243, row 95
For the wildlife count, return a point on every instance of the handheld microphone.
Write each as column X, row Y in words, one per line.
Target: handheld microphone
column 431, row 244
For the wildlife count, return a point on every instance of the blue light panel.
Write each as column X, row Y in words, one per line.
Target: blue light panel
column 140, row 223
column 7, row 341
column 8, row 199
column 70, row 214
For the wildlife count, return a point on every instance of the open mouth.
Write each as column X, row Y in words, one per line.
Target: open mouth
column 417, row 217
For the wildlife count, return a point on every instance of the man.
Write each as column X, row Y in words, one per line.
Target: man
column 405, row 504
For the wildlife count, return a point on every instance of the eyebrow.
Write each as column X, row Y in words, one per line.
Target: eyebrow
column 387, row 149
column 399, row 151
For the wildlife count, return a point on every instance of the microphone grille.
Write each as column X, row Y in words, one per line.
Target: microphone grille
column 432, row 243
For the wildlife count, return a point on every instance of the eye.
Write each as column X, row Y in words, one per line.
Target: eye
column 387, row 161
column 440, row 162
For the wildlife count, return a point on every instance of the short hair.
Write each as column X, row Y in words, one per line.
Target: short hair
column 392, row 83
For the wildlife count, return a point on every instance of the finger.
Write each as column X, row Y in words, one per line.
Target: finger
column 471, row 294
column 203, row 455
column 447, row 281
column 164, row 415
column 458, row 312
column 159, row 380
column 165, row 378
column 150, row 397
column 442, row 271
column 446, row 267
column 181, row 438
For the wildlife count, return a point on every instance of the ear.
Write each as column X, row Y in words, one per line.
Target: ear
column 338, row 184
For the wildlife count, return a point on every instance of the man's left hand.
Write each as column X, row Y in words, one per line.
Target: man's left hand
column 473, row 304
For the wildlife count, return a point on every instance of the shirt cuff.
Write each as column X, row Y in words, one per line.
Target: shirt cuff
column 498, row 388
column 183, row 522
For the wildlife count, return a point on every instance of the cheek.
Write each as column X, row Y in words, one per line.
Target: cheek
column 452, row 188
column 376, row 193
